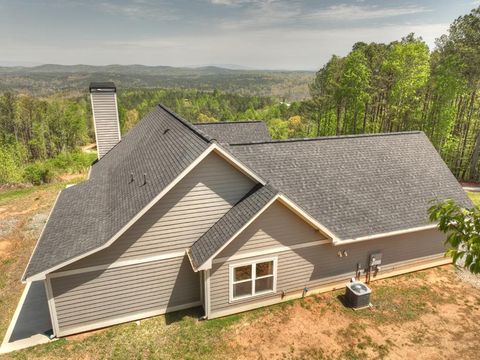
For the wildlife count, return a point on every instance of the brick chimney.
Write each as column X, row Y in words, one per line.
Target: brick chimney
column 105, row 116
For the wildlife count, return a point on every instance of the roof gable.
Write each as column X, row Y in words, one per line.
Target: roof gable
column 86, row 216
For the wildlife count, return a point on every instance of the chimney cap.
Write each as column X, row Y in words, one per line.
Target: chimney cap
column 106, row 86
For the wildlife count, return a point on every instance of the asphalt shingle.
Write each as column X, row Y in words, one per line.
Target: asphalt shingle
column 357, row 185
column 234, row 132
column 223, row 230
column 87, row 215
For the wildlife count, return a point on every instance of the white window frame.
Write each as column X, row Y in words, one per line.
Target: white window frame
column 253, row 279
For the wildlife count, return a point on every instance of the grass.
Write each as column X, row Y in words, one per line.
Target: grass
column 475, row 197
column 9, row 195
column 411, row 312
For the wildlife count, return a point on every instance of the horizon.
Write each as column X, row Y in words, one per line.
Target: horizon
column 252, row 34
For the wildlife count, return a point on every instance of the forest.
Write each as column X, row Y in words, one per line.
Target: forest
column 400, row 86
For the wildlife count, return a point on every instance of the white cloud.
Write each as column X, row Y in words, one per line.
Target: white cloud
column 346, row 12
column 272, row 49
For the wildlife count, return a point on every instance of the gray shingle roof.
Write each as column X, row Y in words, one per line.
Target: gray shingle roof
column 235, row 132
column 357, row 185
column 223, row 230
column 87, row 215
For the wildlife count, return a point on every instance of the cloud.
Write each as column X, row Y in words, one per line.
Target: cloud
column 346, row 12
column 239, row 2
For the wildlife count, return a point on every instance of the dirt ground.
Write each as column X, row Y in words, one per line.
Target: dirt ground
column 431, row 314
column 442, row 321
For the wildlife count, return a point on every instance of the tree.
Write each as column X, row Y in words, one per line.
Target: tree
column 462, row 227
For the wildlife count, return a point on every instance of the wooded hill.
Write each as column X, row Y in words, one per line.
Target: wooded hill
column 398, row 86
column 45, row 80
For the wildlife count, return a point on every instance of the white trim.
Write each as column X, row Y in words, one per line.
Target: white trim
column 337, row 282
column 212, row 147
column 117, row 264
column 237, row 163
column 271, row 250
column 208, row 264
column 252, row 280
column 307, row 217
column 51, row 306
column 36, row 245
column 207, row 292
column 95, row 126
column 127, row 318
column 42, row 274
column 290, row 205
column 118, row 118
column 382, row 235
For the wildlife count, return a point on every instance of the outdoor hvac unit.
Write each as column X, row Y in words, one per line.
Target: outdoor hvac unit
column 357, row 295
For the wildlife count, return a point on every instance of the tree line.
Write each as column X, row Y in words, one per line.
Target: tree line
column 398, row 86
column 403, row 86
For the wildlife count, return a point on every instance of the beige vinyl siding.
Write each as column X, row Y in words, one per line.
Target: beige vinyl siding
column 90, row 298
column 106, row 121
column 276, row 226
column 314, row 265
column 180, row 217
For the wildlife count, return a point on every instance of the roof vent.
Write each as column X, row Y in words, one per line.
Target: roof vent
column 105, row 116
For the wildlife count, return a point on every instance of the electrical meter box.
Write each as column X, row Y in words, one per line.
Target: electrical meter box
column 375, row 259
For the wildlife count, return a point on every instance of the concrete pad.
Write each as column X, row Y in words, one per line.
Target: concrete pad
column 31, row 324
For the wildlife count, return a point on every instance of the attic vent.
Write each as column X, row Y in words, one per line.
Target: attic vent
column 105, row 116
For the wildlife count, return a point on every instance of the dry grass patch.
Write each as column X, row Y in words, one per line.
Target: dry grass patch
column 425, row 315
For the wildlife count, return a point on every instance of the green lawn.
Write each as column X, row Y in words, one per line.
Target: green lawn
column 434, row 305
column 475, row 197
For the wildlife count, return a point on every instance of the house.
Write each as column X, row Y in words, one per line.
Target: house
column 219, row 215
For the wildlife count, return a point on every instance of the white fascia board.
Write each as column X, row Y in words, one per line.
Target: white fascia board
column 290, row 205
column 382, row 235
column 213, row 147
column 208, row 263
column 237, row 164
column 41, row 276
column 307, row 217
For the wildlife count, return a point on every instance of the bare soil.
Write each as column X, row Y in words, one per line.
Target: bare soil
column 431, row 314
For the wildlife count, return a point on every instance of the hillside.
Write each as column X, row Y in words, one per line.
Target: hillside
column 48, row 79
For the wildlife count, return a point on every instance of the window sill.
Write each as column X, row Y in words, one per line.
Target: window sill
column 257, row 295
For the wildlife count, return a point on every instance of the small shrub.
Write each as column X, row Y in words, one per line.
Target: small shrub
column 38, row 173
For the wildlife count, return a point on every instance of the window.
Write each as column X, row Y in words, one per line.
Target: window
column 252, row 279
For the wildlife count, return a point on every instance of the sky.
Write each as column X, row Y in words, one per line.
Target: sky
column 260, row 34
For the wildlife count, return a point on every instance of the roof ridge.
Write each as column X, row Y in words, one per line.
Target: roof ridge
column 280, row 141
column 200, row 133
column 229, row 122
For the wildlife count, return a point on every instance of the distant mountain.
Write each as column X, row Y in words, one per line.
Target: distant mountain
column 50, row 78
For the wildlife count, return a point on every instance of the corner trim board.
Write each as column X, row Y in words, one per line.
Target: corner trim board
column 51, row 306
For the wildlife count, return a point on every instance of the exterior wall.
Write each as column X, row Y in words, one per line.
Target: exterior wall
column 145, row 272
column 180, row 217
column 311, row 265
column 276, row 226
column 99, row 298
